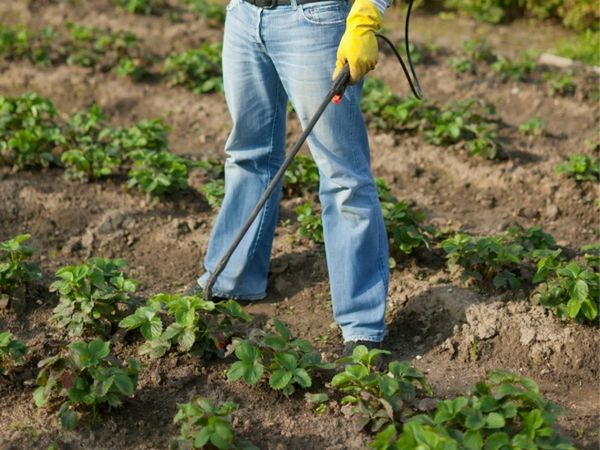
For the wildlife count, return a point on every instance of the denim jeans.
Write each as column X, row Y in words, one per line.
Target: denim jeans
column 270, row 55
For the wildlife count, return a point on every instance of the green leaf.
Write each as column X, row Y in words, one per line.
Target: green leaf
column 580, row 291
column 124, row 384
column 280, row 379
column 247, row 352
column 69, row 419
column 302, row 377
column 495, row 420
column 202, row 437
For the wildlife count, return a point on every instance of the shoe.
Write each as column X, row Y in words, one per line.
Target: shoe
column 195, row 289
column 349, row 347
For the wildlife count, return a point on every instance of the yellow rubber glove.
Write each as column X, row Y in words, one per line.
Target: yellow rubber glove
column 358, row 46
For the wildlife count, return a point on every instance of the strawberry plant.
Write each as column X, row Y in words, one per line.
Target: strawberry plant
column 311, row 226
column 89, row 155
column 560, row 84
column 92, row 296
column 14, row 42
column 405, row 228
column 214, row 192
column 149, row 135
column 84, row 377
column 15, row 271
column 485, row 258
column 504, row 411
column 386, row 111
column 514, row 69
column 158, row 173
column 377, row 398
column 141, row 6
column 214, row 12
column 29, row 134
column 197, row 69
column 203, row 423
column 581, row 168
column 533, row 127
column 479, row 50
column 571, row 291
column 287, row 362
column 19, row 43
column 12, row 352
column 198, row 326
column 462, row 65
column 102, row 48
column 302, row 177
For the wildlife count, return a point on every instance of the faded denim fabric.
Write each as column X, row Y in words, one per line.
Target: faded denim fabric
column 268, row 56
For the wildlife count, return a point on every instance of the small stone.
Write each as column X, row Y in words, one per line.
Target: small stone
column 417, row 339
column 552, row 212
column 418, row 357
column 527, row 335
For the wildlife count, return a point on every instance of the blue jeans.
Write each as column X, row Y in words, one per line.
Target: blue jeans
column 268, row 56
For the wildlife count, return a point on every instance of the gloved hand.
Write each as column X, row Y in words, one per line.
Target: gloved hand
column 358, row 46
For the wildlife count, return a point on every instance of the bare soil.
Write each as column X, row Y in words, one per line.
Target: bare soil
column 432, row 318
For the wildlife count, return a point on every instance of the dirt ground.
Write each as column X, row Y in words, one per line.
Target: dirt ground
column 432, row 318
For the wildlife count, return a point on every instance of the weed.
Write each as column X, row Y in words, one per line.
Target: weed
column 91, row 295
column 377, row 398
column 288, row 362
column 84, row 377
column 12, row 352
column 198, row 326
column 580, row 167
column 197, row 69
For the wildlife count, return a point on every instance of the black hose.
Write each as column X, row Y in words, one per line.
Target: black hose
column 413, row 80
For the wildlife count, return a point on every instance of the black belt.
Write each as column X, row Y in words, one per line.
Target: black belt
column 269, row 4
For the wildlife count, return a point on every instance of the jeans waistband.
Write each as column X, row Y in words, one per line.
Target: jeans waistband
column 269, row 4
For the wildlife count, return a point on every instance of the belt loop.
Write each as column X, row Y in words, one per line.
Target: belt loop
column 294, row 4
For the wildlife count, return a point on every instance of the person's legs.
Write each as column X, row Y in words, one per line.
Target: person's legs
column 303, row 45
column 255, row 149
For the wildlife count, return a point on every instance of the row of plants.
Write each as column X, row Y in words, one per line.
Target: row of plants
column 478, row 53
column 212, row 11
column 502, row 411
column 198, row 69
column 471, row 123
column 520, row 258
column 94, row 299
column 577, row 14
column 33, row 135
